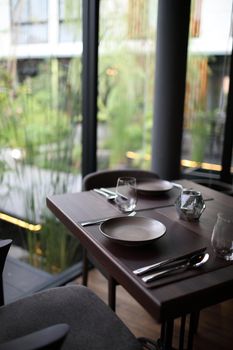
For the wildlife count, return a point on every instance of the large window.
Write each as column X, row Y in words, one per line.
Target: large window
column 126, row 76
column 40, row 137
column 210, row 47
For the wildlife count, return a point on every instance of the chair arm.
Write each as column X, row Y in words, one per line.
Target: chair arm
column 48, row 338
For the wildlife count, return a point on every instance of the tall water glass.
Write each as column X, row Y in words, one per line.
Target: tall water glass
column 222, row 237
column 126, row 194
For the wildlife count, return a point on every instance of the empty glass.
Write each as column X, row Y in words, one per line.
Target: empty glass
column 222, row 237
column 126, row 194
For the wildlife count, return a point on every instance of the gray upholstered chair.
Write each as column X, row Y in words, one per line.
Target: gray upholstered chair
column 108, row 178
column 91, row 323
column 67, row 318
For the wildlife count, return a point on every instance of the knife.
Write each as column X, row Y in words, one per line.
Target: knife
column 93, row 222
column 98, row 221
column 144, row 269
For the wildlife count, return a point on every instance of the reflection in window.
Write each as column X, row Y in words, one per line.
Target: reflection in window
column 126, row 84
column 195, row 20
column 206, row 84
column 70, row 20
column 29, row 21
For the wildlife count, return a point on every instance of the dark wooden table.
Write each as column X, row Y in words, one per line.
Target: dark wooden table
column 170, row 297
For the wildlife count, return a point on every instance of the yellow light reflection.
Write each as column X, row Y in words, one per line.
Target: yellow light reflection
column 206, row 166
column 184, row 162
column 20, row 223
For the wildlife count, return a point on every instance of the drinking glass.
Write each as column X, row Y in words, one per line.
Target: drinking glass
column 222, row 237
column 126, row 194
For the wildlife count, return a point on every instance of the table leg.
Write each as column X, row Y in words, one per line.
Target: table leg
column 167, row 334
column 182, row 332
column 196, row 321
column 112, row 293
column 194, row 316
column 85, row 267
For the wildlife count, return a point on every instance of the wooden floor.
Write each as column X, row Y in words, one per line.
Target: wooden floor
column 215, row 330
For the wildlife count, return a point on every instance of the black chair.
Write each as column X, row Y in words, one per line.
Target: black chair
column 4, row 248
column 70, row 317
column 108, row 178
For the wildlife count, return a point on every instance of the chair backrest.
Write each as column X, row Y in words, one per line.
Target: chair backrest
column 4, row 248
column 108, row 178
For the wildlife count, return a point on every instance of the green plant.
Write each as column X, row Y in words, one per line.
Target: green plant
column 122, row 105
column 32, row 121
column 200, row 131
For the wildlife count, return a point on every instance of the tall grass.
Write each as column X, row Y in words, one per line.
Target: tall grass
column 43, row 132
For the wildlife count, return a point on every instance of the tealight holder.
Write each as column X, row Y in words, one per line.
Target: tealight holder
column 190, row 205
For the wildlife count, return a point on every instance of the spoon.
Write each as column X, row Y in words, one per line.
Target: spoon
column 193, row 262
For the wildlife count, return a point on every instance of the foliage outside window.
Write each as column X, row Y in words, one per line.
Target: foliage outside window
column 206, row 92
column 40, row 135
column 126, row 76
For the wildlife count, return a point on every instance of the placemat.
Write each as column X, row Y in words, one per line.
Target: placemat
column 177, row 241
column 160, row 200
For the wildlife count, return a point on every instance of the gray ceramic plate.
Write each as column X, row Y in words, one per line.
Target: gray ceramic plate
column 154, row 186
column 132, row 231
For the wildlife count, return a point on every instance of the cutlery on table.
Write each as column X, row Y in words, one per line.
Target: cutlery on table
column 177, row 185
column 98, row 221
column 108, row 196
column 194, row 262
column 108, row 191
column 147, row 268
column 111, row 193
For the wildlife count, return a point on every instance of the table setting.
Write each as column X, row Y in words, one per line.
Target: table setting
column 135, row 228
column 173, row 236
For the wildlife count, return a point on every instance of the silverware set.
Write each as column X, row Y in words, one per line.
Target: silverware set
column 98, row 221
column 109, row 195
column 194, row 259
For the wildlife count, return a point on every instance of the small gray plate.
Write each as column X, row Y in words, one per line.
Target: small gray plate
column 155, row 186
column 132, row 231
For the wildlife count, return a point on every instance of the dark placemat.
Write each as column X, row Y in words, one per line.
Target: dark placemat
column 177, row 241
column 159, row 200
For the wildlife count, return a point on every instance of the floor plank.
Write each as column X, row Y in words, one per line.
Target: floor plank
column 215, row 324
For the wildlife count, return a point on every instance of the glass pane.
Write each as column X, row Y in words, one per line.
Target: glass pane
column 30, row 21
column 207, row 84
column 37, row 33
column 40, row 147
column 70, row 26
column 70, row 32
column 20, row 35
column 126, row 75
column 26, row 34
column 38, row 10
column 19, row 11
column 29, row 11
column 71, row 9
